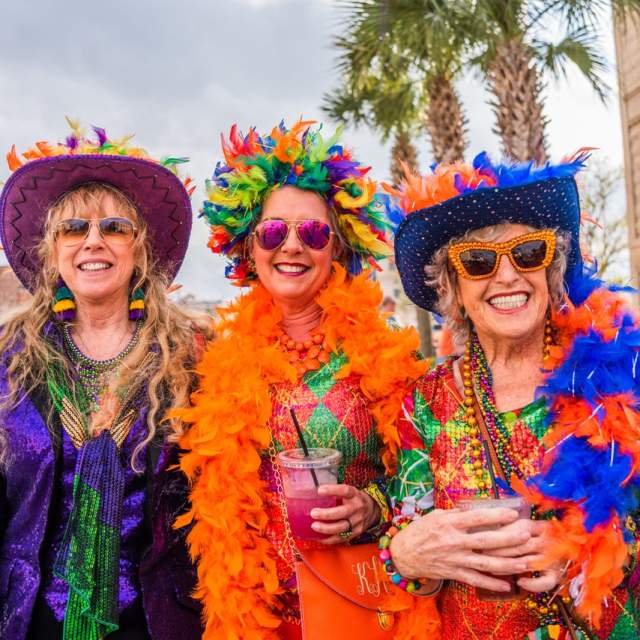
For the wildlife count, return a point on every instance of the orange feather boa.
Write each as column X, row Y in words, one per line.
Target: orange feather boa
column 237, row 580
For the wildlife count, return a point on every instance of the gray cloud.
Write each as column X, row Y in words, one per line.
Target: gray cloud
column 179, row 73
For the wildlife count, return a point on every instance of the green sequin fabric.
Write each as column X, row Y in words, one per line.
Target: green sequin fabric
column 88, row 558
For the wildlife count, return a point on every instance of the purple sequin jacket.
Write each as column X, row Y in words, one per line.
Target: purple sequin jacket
column 166, row 575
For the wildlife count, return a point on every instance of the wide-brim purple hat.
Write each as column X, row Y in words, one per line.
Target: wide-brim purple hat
column 488, row 194
column 160, row 197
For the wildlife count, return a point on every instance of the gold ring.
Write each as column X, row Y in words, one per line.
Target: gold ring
column 347, row 533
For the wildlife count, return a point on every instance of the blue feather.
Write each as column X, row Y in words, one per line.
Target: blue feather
column 516, row 174
column 592, row 478
column 392, row 211
column 595, row 368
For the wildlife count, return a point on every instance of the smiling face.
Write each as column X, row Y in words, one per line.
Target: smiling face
column 509, row 305
column 96, row 270
column 293, row 273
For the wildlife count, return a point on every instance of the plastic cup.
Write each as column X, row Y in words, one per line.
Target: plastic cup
column 300, row 490
column 524, row 512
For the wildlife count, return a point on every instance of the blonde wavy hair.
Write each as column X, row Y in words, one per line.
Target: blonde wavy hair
column 444, row 279
column 167, row 331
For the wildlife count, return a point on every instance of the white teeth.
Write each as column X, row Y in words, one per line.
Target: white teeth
column 94, row 266
column 291, row 268
column 509, row 302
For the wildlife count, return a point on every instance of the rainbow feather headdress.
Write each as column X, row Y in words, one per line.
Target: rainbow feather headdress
column 458, row 197
column 255, row 165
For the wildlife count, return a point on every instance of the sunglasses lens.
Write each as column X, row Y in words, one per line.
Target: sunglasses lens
column 117, row 229
column 314, row 234
column 270, row 234
column 478, row 262
column 72, row 230
column 530, row 254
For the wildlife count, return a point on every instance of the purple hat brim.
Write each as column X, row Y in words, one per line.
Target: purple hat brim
column 547, row 204
column 158, row 194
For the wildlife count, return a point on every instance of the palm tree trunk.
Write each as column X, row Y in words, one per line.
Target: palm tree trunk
column 444, row 120
column 402, row 152
column 515, row 83
column 405, row 152
column 446, row 125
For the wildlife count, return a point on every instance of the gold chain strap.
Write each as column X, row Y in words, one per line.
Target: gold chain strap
column 288, row 543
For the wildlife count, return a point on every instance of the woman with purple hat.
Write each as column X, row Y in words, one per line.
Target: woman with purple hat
column 96, row 231
column 518, row 473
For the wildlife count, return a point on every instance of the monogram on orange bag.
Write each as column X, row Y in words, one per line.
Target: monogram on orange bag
column 342, row 591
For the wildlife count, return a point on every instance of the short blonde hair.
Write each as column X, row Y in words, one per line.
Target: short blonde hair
column 442, row 276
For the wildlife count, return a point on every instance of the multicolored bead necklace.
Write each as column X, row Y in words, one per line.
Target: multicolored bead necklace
column 307, row 355
column 94, row 374
column 477, row 373
column 476, row 370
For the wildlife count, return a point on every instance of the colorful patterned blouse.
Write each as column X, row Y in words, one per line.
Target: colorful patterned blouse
column 332, row 413
column 435, row 470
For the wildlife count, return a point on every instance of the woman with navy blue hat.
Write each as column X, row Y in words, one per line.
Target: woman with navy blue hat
column 518, row 472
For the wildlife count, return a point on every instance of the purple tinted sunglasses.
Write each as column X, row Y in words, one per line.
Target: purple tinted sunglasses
column 271, row 234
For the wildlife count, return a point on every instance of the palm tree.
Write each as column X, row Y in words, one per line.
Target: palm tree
column 391, row 107
column 408, row 68
column 515, row 50
column 399, row 79
column 511, row 42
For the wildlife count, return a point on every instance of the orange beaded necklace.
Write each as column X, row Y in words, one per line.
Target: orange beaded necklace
column 307, row 355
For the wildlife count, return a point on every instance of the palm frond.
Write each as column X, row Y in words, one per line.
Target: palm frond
column 581, row 49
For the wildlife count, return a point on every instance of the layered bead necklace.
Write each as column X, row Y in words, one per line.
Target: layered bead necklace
column 476, row 372
column 94, row 375
column 307, row 355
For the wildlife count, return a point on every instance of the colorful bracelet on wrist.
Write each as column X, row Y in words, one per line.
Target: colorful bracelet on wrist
column 375, row 493
column 385, row 557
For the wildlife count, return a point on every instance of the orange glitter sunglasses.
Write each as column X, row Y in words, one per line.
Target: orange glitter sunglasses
column 478, row 260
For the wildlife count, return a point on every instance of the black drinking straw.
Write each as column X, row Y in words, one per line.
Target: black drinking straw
column 492, row 474
column 296, row 424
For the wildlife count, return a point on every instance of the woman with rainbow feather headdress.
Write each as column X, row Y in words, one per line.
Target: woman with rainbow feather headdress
column 95, row 230
column 302, row 224
column 543, row 403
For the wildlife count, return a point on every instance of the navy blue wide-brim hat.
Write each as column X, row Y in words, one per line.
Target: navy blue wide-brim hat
column 541, row 197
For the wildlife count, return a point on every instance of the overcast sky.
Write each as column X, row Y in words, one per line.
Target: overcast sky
column 180, row 73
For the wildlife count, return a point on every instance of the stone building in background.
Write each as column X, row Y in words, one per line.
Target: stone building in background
column 12, row 293
column 627, row 37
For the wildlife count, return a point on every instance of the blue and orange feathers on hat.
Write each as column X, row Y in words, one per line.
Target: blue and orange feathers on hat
column 460, row 197
column 254, row 165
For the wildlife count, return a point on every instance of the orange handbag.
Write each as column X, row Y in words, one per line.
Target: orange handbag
column 341, row 592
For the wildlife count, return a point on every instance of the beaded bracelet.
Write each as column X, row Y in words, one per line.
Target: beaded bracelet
column 384, row 543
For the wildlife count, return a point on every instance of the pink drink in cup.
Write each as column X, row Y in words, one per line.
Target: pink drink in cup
column 524, row 511
column 300, row 490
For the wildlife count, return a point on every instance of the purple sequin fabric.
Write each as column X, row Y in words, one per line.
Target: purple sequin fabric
column 132, row 541
column 32, row 491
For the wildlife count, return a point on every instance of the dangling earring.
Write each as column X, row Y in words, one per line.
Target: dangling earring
column 136, row 304
column 548, row 340
column 64, row 306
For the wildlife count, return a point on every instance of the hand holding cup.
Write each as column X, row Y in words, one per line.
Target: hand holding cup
column 453, row 545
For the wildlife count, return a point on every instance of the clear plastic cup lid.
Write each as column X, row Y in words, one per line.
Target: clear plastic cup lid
column 319, row 458
column 508, row 502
